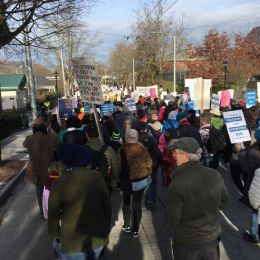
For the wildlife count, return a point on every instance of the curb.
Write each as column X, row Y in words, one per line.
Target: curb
column 9, row 185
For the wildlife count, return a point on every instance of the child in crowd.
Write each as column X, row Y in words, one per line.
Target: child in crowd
column 54, row 170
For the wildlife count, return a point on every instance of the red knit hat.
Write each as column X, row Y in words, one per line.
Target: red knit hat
column 142, row 117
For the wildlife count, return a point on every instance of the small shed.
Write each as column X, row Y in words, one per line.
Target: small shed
column 13, row 90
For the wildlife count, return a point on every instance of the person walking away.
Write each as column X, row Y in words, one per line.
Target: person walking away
column 216, row 119
column 54, row 170
column 154, row 127
column 149, row 196
column 195, row 196
column 193, row 119
column 74, row 133
column 80, row 201
column 125, row 121
column 108, row 125
column 186, row 130
column 41, row 146
column 171, row 107
column 112, row 121
column 135, row 165
column 95, row 145
column 161, row 111
column 171, row 122
column 115, row 143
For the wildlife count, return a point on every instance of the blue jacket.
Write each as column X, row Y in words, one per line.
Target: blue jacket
column 166, row 125
column 120, row 121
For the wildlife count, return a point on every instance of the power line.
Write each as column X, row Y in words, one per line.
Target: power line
column 142, row 22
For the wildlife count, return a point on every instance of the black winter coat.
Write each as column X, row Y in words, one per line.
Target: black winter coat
column 151, row 145
column 167, row 111
column 75, row 137
column 189, row 131
column 249, row 162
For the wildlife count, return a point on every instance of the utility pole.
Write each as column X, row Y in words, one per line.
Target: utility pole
column 174, row 65
column 133, row 74
column 29, row 68
column 63, row 73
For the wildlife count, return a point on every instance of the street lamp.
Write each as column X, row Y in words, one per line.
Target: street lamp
column 225, row 63
column 145, row 79
column 56, row 85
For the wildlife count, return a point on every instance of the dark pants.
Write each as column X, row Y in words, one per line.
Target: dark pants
column 195, row 252
column 236, row 174
column 39, row 192
column 135, row 208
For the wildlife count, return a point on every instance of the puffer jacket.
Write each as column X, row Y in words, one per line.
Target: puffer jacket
column 167, row 125
column 254, row 193
column 139, row 161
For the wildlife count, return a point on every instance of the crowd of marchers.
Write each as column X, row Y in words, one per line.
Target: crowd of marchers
column 75, row 171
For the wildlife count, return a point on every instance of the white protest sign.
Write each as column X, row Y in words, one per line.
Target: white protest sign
column 237, row 127
column 74, row 102
column 86, row 75
column 202, row 92
column 130, row 103
column 146, row 90
column 258, row 91
column 215, row 101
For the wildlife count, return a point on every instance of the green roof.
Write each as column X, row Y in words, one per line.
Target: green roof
column 12, row 81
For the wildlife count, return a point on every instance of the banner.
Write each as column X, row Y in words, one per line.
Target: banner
column 130, row 103
column 142, row 90
column 215, row 101
column 237, row 127
column 87, row 80
column 65, row 107
column 250, row 98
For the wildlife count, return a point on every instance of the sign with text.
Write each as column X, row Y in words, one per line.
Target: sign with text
column 130, row 103
column 142, row 90
column 65, row 107
column 215, row 101
column 237, row 127
column 87, row 79
column 87, row 107
column 152, row 93
column 250, row 98
column 191, row 104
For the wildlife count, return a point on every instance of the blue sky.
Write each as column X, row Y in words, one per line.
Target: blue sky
column 115, row 17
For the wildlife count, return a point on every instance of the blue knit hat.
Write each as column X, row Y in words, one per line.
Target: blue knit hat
column 180, row 116
column 73, row 155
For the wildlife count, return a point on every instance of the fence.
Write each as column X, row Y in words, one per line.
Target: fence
column 11, row 122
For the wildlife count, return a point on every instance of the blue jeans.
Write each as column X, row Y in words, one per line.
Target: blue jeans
column 91, row 255
column 254, row 225
column 150, row 190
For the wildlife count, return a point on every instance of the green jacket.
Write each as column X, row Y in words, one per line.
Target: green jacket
column 217, row 122
column 195, row 196
column 110, row 154
column 80, row 199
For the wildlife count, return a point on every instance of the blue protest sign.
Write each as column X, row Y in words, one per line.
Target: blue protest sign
column 87, row 107
column 191, row 104
column 105, row 109
column 258, row 128
column 111, row 107
column 250, row 98
column 65, row 108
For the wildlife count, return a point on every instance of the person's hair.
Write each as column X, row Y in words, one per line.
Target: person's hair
column 86, row 120
column 170, row 103
column 63, row 125
column 42, row 129
column 249, row 118
column 164, row 104
column 206, row 117
column 254, row 111
column 56, row 167
column 193, row 157
column 92, row 130
column 55, row 127
column 125, row 109
column 73, row 121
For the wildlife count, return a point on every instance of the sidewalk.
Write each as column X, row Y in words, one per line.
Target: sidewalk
column 23, row 233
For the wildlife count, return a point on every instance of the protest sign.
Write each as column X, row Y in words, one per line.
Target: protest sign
column 215, row 101
column 87, row 79
column 191, row 104
column 237, row 127
column 87, row 107
column 142, row 90
column 74, row 102
column 105, row 109
column 152, row 93
column 168, row 97
column 183, row 98
column 65, row 107
column 111, row 107
column 130, row 103
column 189, row 83
column 250, row 98
column 258, row 127
column 202, row 97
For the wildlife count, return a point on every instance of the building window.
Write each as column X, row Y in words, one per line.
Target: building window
column 11, row 98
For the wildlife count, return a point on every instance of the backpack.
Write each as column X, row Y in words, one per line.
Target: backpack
column 127, row 124
column 217, row 141
column 99, row 162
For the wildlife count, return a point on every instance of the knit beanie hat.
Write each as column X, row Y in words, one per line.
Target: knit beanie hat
column 116, row 135
column 170, row 134
column 180, row 116
column 142, row 117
